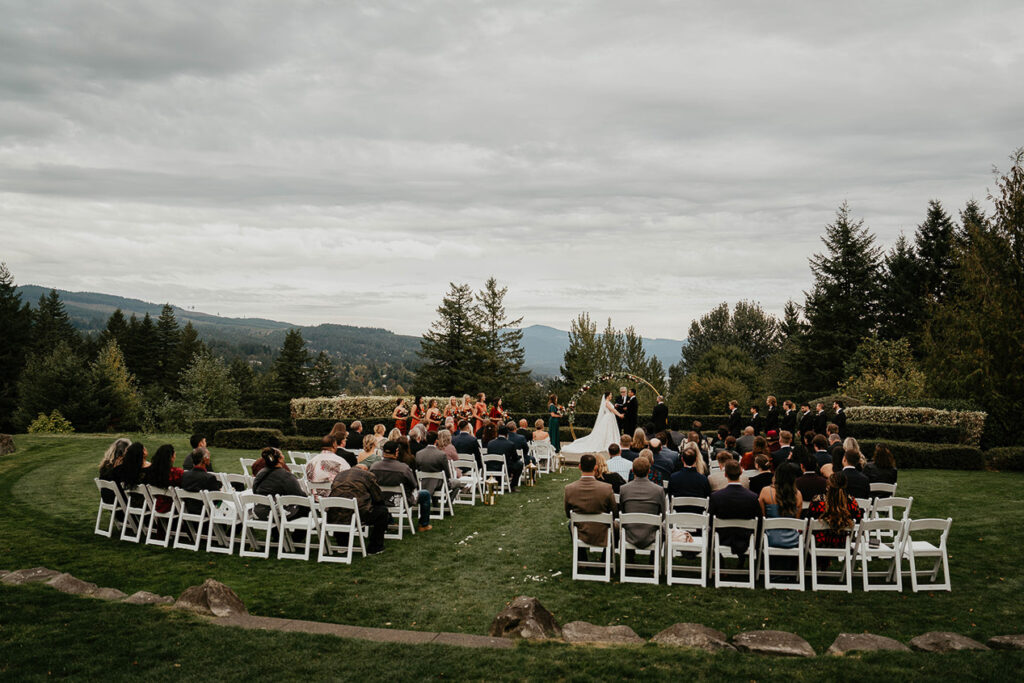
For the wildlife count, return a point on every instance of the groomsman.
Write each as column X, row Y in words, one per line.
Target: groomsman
column 788, row 421
column 840, row 418
column 806, row 421
column 659, row 416
column 820, row 419
column 735, row 421
column 756, row 421
column 771, row 417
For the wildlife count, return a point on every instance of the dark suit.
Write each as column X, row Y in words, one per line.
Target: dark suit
column 759, row 481
column 354, row 441
column 629, row 454
column 734, row 502
column 821, row 423
column 735, row 422
column 521, row 443
column 589, row 496
column 659, row 417
column 780, row 456
column 857, row 484
column 620, row 406
column 641, row 495
column 757, row 422
column 195, row 480
column 823, row 458
column 688, row 482
column 788, row 421
column 806, row 423
column 811, row 485
column 467, row 444
column 771, row 419
column 840, row 421
column 514, row 463
column 629, row 419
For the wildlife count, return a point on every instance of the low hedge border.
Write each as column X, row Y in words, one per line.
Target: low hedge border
column 248, row 438
column 209, row 427
column 920, row 433
column 916, row 455
column 1007, row 458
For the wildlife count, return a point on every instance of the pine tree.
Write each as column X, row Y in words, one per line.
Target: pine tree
column 502, row 341
column 792, row 326
column 115, row 396
column 189, row 345
column 323, row 376
column 116, row 330
column 145, row 359
column 933, row 243
column 901, row 310
column 748, row 327
column 842, row 306
column 452, row 348
column 206, row 390
column 167, row 337
column 291, row 367
column 583, row 356
column 16, row 323
column 243, row 377
column 51, row 324
column 58, row 380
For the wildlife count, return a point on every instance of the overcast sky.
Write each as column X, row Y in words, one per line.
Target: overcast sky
column 342, row 162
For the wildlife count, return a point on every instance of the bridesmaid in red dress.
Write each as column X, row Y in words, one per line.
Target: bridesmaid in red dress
column 497, row 413
column 480, row 410
column 433, row 416
column 401, row 416
column 417, row 412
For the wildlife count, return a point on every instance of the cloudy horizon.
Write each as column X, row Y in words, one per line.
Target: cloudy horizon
column 315, row 163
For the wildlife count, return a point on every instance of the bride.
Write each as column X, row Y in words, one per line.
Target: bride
column 605, row 432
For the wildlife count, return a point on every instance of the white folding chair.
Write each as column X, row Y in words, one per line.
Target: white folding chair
column 696, row 526
column 869, row 548
column 880, row 490
column 465, row 471
column 401, row 511
column 653, row 550
column 913, row 550
column 721, row 551
column 768, row 551
column 608, row 548
column 299, row 471
column 222, row 509
column 306, row 521
column 330, row 550
column 544, row 453
column 441, row 499
column 866, row 505
column 160, row 522
column 501, row 474
column 317, row 489
column 192, row 523
column 136, row 510
column 678, row 502
column 299, row 457
column 887, row 508
column 233, row 482
column 246, row 464
column 841, row 554
column 113, row 508
column 252, row 525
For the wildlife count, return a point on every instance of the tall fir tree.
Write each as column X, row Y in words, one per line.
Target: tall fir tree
column 933, row 243
column 57, row 380
column 16, row 323
column 189, row 345
column 582, row 357
column 51, row 324
column 145, row 359
column 452, row 349
column 291, row 367
column 167, row 336
column 842, row 306
column 243, row 377
column 116, row 399
column 502, row 342
column 116, row 330
column 323, row 376
column 901, row 310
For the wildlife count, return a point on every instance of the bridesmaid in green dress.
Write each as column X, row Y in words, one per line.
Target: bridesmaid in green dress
column 554, row 416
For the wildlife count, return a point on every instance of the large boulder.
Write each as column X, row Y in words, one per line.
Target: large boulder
column 525, row 618
column 773, row 643
column 212, row 598
column 846, row 643
column 147, row 598
column 66, row 583
column 7, row 444
column 695, row 636
column 34, row 575
column 584, row 632
column 944, row 641
column 1013, row 642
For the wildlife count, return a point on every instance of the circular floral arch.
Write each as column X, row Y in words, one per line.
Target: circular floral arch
column 608, row 376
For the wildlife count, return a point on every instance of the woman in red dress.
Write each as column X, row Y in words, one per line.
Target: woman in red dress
column 401, row 416
column 452, row 409
column 433, row 416
column 417, row 412
column 480, row 410
column 466, row 409
column 497, row 413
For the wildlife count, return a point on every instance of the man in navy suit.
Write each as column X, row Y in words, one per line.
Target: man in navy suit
column 466, row 444
column 806, row 422
column 821, row 454
column 520, row 441
column 514, row 463
column 857, row 484
column 734, row 501
column 756, row 421
column 785, row 448
column 688, row 482
column 735, row 421
column 820, row 419
column 840, row 418
column 788, row 420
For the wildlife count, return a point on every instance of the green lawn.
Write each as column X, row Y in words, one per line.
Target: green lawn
column 458, row 576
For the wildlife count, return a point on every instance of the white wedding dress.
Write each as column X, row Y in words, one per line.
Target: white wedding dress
column 605, row 433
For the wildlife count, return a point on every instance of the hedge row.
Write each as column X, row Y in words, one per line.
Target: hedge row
column 1008, row 458
column 211, row 426
column 972, row 422
column 892, row 431
column 916, row 455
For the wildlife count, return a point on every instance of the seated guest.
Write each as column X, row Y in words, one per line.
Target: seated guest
column 480, row 432
column 417, row 439
column 773, row 440
column 760, row 447
column 763, row 477
column 487, row 433
column 323, row 467
column 368, row 454
column 405, row 454
column 429, row 460
column 626, row 451
column 520, row 441
column 162, row 473
column 524, row 429
column 639, row 441
column 513, row 462
column 688, row 482
column 466, row 444
column 589, row 496
column 113, row 457
column 602, row 473
column 339, row 433
column 444, row 442
column 731, row 448
column 394, row 434
column 717, row 478
column 644, row 496
column 195, row 441
column 199, row 478
column 821, row 454
column 390, row 471
column 745, row 443
column 851, row 444
column 539, row 433
column 857, row 484
column 275, row 479
column 358, row 484
column 810, row 484
column 652, row 473
column 881, row 470
column 781, row 498
column 719, row 441
column 378, row 432
column 617, row 464
column 132, row 472
column 734, row 502
column 781, row 454
column 665, row 461
column 835, row 444
column 836, row 509
column 354, row 440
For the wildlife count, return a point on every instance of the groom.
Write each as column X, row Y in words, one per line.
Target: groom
column 621, row 404
column 629, row 419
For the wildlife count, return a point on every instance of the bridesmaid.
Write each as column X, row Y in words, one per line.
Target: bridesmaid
column 417, row 412
column 452, row 409
column 554, row 417
column 497, row 413
column 433, row 416
column 466, row 408
column 401, row 416
column 480, row 410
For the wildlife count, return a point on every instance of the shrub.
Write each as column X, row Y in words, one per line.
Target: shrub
column 301, row 443
column 972, row 422
column 1009, row 458
column 320, row 426
column 248, row 438
column 847, row 401
column 883, row 431
column 213, row 425
column 54, row 423
column 915, row 455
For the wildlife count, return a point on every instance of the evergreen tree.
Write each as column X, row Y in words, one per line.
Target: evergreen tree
column 51, row 324
column 291, row 367
column 583, row 357
column 452, row 348
column 243, row 377
column 115, row 397
column 323, row 376
column 748, row 326
column 842, row 306
column 206, row 390
column 901, row 310
column 116, row 330
column 16, row 323
column 933, row 244
column 792, row 326
column 502, row 342
column 144, row 360
column 167, row 337
column 188, row 346
column 58, row 380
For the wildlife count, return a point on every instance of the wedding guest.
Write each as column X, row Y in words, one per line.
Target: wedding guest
column 275, row 479
column 368, row 454
column 821, row 454
column 639, row 442
column 417, row 439
column 730, row 447
column 554, row 421
column 688, row 482
column 490, row 432
column 339, row 434
column 323, row 467
column 466, row 444
column 466, row 409
column 602, row 473
column 838, row 510
column 788, row 420
column 745, row 443
column 734, row 502
column 401, row 416
column 857, row 484
column 444, row 443
column 497, row 412
column 500, row 445
column 199, row 478
column 643, row 496
column 760, row 447
column 810, row 484
column 539, row 433
column 781, row 498
column 589, row 496
column 113, row 457
column 520, row 442
column 133, row 469
column 524, row 429
column 162, row 473
column 763, row 477
column 851, row 444
column 785, row 448
column 617, row 464
column 378, row 433
column 452, row 409
column 449, row 424
column 394, row 434
column 717, row 478
column 195, row 441
column 358, row 484
column 354, row 441
column 390, row 471
column 882, row 469
column 405, row 454
column 430, row 460
column 480, row 410
column 771, row 417
column 773, row 440
column 626, row 451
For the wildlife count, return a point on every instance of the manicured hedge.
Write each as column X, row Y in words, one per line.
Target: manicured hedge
column 915, row 455
column 320, row 426
column 882, row 431
column 248, row 438
column 972, row 422
column 211, row 426
column 1008, row 458
column 309, row 444
column 677, row 421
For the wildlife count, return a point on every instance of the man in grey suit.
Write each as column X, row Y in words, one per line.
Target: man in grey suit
column 431, row 459
column 520, row 441
column 641, row 495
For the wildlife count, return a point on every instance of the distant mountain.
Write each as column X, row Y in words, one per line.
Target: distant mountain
column 544, row 346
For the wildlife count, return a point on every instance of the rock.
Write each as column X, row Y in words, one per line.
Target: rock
column 773, row 643
column 4, row 572
column 694, row 636
column 147, row 598
column 7, row 444
column 863, row 642
column 944, row 641
column 109, row 594
column 213, row 598
column 66, row 583
column 583, row 632
column 1014, row 642
column 34, row 575
column 525, row 618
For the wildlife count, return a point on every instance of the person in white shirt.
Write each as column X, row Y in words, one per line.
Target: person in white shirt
column 616, row 463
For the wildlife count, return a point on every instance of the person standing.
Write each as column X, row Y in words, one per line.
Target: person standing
column 756, row 421
column 630, row 413
column 416, row 415
column 401, row 417
column 820, row 419
column 659, row 416
column 840, row 418
column 554, row 422
column 735, row 420
column 771, row 416
column 480, row 410
column 788, row 420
